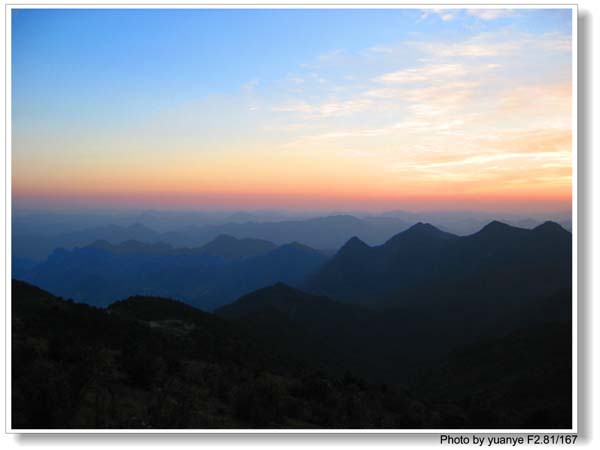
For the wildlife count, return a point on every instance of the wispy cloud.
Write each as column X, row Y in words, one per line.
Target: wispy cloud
column 491, row 14
column 297, row 106
column 497, row 43
column 471, row 48
column 250, row 85
column 445, row 14
column 325, row 109
column 546, row 103
column 425, row 73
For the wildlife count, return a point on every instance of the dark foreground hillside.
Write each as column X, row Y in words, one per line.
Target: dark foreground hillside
column 156, row 363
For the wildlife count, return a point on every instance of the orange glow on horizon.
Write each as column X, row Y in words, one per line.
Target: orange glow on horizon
column 532, row 199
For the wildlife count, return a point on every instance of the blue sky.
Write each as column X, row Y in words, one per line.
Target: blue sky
column 97, row 59
column 141, row 87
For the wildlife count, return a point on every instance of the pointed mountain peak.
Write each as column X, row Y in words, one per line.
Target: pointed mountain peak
column 496, row 225
column 496, row 229
column 355, row 240
column 549, row 227
column 353, row 247
column 421, row 227
column 354, row 243
column 419, row 232
column 154, row 308
column 280, row 298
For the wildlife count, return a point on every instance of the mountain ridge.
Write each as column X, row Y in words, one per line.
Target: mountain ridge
column 425, row 256
column 205, row 277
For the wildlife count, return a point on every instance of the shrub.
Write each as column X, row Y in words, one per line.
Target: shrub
column 259, row 402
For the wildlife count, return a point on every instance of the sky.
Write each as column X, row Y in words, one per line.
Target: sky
column 292, row 108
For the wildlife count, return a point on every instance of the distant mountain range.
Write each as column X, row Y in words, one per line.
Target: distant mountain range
column 208, row 276
column 34, row 237
column 324, row 233
column 321, row 233
column 425, row 267
column 37, row 247
column 419, row 268
column 464, row 223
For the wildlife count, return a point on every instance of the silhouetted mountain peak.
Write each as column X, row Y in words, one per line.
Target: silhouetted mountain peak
column 278, row 297
column 497, row 225
column 154, row 308
column 295, row 244
column 353, row 247
column 353, row 243
column 496, row 229
column 550, row 227
column 421, row 231
column 421, row 227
